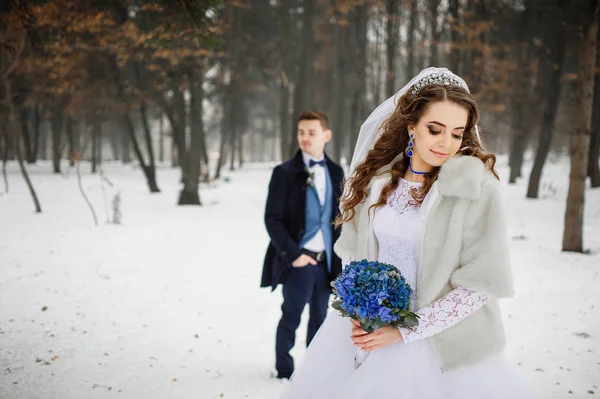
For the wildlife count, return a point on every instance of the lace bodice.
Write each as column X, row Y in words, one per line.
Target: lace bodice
column 396, row 229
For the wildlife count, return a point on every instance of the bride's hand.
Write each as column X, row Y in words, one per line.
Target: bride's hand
column 385, row 336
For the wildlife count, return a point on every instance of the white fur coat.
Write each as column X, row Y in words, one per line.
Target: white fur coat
column 465, row 243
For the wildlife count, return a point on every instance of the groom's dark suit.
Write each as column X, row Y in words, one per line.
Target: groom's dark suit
column 285, row 219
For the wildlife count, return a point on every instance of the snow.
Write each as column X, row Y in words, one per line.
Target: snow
column 167, row 304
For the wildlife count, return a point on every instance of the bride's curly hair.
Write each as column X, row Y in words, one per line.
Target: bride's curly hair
column 394, row 140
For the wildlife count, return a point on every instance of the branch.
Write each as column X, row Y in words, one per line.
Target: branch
column 17, row 56
column 83, row 193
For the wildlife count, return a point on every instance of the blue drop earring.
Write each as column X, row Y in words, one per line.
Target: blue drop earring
column 410, row 153
column 410, row 146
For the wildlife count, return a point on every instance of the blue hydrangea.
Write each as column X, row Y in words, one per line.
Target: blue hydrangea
column 374, row 293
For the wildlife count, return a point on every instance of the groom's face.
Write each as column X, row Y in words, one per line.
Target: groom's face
column 312, row 137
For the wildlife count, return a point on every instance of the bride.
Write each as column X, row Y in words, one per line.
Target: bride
column 422, row 195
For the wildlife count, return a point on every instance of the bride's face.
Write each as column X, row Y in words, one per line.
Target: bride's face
column 438, row 134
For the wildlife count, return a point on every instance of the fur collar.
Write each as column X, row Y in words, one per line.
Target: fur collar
column 461, row 177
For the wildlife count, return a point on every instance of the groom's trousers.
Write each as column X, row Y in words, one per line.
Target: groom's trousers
column 303, row 285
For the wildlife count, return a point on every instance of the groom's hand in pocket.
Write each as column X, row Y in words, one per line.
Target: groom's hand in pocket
column 303, row 261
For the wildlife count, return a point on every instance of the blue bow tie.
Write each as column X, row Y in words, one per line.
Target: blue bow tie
column 312, row 163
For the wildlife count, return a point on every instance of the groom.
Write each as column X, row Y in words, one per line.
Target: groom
column 301, row 206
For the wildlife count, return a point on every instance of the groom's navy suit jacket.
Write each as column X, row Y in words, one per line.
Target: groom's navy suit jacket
column 284, row 217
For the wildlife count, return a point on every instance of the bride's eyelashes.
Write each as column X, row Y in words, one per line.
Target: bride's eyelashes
column 434, row 132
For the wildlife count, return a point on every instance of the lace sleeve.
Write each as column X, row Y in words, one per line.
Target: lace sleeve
column 444, row 313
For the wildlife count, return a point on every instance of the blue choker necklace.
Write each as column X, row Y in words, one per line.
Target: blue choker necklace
column 412, row 170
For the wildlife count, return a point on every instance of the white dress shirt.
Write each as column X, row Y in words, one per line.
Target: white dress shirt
column 317, row 243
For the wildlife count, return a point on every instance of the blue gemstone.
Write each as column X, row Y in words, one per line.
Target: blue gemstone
column 410, row 143
column 410, row 153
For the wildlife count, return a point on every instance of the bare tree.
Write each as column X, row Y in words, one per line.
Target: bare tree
column 7, row 67
column 392, row 8
column 454, row 22
column 434, row 34
column 4, row 145
column 189, row 193
column 412, row 30
column 593, row 168
column 580, row 137
column 550, row 87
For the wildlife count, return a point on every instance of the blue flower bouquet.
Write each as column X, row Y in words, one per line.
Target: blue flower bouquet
column 375, row 294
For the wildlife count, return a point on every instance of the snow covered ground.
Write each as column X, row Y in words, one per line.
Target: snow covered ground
column 167, row 304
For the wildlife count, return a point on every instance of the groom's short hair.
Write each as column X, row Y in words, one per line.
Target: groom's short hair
column 314, row 115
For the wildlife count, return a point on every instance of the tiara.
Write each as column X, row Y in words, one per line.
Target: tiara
column 438, row 78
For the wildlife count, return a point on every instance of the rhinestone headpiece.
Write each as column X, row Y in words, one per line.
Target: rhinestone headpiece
column 440, row 78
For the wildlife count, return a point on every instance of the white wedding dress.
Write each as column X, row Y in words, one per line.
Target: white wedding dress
column 409, row 369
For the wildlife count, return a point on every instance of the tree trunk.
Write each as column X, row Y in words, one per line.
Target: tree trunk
column 189, row 193
column 125, row 145
column 377, row 68
column 517, row 153
column 240, row 149
column 27, row 141
column 204, row 157
column 36, row 201
column 173, row 118
column 546, row 130
column 341, row 106
column 13, row 124
column 594, row 157
column 580, row 139
column 551, row 89
column 161, row 140
column 521, row 100
column 95, row 133
column 286, row 73
column 392, row 33
column 151, row 167
column 410, row 45
column 336, row 75
column 434, row 35
column 114, row 141
column 148, row 172
column 99, row 144
column 37, row 121
column 4, row 152
column 476, row 68
column 180, row 117
column 360, row 62
column 57, row 126
column 304, row 90
column 71, row 140
column 232, row 140
column 223, row 141
column 454, row 22
column 44, row 137
column 148, row 138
